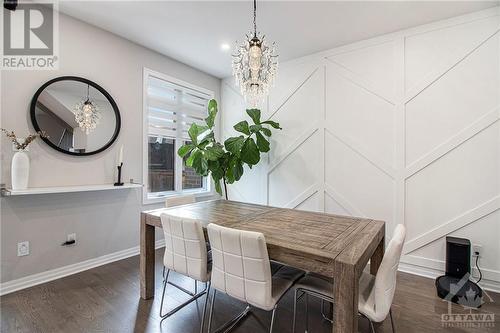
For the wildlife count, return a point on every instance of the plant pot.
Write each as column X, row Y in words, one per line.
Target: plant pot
column 20, row 170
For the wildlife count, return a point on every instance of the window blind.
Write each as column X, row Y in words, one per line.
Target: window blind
column 172, row 108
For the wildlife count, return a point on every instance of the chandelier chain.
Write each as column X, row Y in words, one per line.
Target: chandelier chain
column 255, row 18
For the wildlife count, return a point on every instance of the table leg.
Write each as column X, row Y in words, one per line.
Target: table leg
column 147, row 259
column 345, row 292
column 377, row 257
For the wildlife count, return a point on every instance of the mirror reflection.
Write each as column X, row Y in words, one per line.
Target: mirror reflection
column 77, row 117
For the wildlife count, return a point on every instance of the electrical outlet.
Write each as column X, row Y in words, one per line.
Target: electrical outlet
column 71, row 237
column 23, row 249
column 477, row 248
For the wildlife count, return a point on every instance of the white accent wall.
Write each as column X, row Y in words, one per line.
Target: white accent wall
column 403, row 128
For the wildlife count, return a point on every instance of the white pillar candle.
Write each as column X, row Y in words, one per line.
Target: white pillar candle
column 120, row 156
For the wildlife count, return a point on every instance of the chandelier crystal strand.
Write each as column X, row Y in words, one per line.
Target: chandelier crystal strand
column 255, row 65
column 87, row 114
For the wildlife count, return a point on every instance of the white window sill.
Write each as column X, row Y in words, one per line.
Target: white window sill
column 153, row 199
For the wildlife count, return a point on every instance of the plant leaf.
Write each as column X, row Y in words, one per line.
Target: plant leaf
column 266, row 131
column 272, row 123
column 212, row 113
column 193, row 133
column 250, row 152
column 255, row 115
column 189, row 161
column 262, row 143
column 214, row 153
column 234, row 144
column 255, row 128
column 204, row 133
column 200, row 164
column 217, row 186
column 234, row 170
column 216, row 170
column 242, row 127
column 185, row 149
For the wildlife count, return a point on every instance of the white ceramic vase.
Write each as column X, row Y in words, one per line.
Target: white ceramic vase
column 20, row 170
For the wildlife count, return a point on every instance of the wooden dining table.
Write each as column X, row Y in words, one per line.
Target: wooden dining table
column 334, row 246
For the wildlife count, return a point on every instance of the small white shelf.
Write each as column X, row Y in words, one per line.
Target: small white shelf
column 68, row 189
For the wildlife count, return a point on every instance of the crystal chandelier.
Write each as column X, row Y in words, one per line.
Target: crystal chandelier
column 255, row 65
column 87, row 114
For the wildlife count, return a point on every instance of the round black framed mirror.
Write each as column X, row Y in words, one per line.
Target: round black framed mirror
column 78, row 116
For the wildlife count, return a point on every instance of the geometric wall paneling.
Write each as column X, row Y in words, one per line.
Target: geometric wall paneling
column 296, row 177
column 333, row 207
column 289, row 79
column 311, row 204
column 300, row 113
column 427, row 53
column 372, row 65
column 470, row 131
column 441, row 116
column 357, row 180
column 403, row 127
column 357, row 115
column 455, row 190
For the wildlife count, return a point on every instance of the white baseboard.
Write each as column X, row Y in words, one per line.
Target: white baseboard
column 57, row 273
column 413, row 265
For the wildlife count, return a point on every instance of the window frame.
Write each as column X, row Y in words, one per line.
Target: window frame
column 147, row 198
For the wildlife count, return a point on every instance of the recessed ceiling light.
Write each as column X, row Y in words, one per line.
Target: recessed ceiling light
column 225, row 47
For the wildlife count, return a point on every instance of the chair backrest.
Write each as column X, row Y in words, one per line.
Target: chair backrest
column 385, row 281
column 185, row 247
column 240, row 265
column 182, row 200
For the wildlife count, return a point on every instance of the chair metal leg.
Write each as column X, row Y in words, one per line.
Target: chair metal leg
column 392, row 321
column 165, row 281
column 205, row 308
column 294, row 310
column 325, row 317
column 272, row 318
column 174, row 310
column 371, row 325
column 307, row 313
column 211, row 312
column 190, row 293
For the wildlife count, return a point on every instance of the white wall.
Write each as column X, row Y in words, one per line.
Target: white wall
column 105, row 222
column 403, row 128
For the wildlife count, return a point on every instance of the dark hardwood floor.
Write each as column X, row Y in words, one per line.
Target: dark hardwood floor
column 106, row 299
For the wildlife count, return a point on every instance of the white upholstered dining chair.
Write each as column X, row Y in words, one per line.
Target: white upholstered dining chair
column 172, row 202
column 186, row 254
column 375, row 292
column 242, row 269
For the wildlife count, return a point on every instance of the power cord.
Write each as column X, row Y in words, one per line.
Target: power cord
column 477, row 266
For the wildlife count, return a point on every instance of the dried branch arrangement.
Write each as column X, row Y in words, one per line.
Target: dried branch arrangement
column 25, row 143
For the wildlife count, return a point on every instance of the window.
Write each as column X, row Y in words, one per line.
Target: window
column 170, row 107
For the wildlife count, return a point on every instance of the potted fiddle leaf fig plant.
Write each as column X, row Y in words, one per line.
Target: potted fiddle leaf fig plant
column 224, row 162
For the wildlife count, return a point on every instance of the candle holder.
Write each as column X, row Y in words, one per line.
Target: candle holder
column 119, row 182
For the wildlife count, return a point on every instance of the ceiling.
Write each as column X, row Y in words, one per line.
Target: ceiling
column 193, row 32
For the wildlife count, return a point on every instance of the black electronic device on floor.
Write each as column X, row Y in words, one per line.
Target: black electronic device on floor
column 455, row 285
